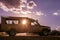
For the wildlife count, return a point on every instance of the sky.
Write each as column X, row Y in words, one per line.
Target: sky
column 46, row 11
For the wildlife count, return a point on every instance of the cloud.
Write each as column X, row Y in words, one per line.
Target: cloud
column 26, row 12
column 58, row 28
column 2, row 6
column 10, row 3
column 14, row 6
column 17, row 6
column 56, row 13
column 40, row 13
column 31, row 5
column 24, row 1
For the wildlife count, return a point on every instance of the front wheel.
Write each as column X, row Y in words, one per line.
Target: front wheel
column 44, row 33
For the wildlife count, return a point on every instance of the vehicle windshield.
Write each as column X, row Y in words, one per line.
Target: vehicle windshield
column 34, row 23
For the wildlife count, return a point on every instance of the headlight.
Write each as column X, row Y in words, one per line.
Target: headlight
column 24, row 21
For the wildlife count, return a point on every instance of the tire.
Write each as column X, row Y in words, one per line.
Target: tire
column 44, row 33
column 11, row 33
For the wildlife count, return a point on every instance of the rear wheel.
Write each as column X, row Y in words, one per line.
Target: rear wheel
column 12, row 33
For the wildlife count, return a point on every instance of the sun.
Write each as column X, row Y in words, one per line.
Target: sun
column 24, row 21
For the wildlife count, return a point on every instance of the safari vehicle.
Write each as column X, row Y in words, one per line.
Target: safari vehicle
column 13, row 25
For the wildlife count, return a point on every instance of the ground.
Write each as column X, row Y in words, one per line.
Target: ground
column 19, row 34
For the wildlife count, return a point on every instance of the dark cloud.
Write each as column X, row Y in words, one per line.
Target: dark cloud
column 17, row 6
column 11, row 3
column 31, row 4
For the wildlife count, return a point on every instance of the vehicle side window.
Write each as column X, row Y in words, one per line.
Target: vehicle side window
column 15, row 21
column 8, row 21
column 11, row 21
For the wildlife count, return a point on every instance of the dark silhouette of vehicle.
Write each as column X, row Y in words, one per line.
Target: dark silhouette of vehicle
column 13, row 25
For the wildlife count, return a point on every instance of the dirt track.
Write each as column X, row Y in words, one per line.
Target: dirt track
column 30, row 38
